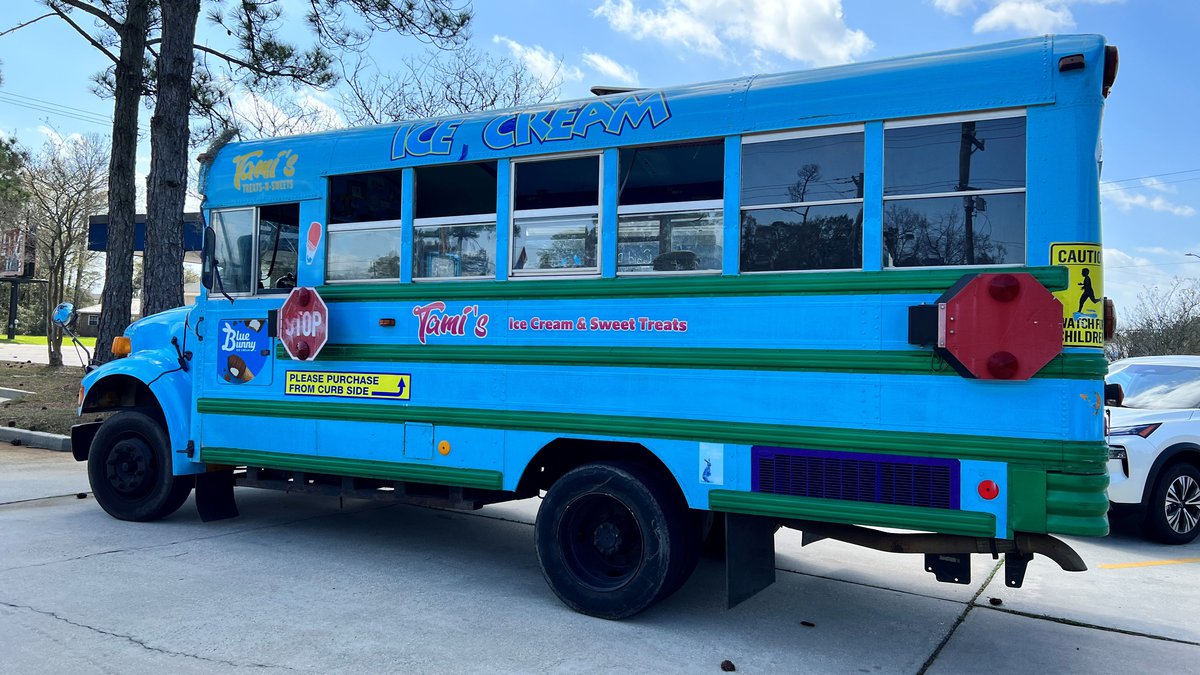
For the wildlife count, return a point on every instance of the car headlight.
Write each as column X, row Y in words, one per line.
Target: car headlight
column 1143, row 430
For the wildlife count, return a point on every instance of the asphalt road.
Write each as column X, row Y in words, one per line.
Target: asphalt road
column 38, row 354
column 313, row 585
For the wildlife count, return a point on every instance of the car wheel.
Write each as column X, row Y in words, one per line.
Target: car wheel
column 611, row 540
column 129, row 468
column 1173, row 515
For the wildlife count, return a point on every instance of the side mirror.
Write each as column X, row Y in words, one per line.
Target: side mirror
column 208, row 258
column 1114, row 395
column 64, row 314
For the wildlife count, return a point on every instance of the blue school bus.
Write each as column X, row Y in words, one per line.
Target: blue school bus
column 861, row 301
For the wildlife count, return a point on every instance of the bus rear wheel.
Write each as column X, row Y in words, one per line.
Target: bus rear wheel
column 611, row 540
column 129, row 468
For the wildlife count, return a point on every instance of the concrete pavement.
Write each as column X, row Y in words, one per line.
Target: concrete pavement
column 310, row 584
column 33, row 353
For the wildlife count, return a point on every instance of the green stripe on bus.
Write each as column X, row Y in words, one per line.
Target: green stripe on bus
column 360, row 468
column 1074, row 455
column 897, row 362
column 823, row 283
column 945, row 521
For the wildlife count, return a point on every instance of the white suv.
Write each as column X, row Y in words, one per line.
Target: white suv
column 1154, row 445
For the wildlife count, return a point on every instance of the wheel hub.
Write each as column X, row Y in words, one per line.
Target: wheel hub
column 129, row 467
column 607, row 538
column 602, row 542
column 1183, row 504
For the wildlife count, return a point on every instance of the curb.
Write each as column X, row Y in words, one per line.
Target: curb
column 5, row 392
column 36, row 439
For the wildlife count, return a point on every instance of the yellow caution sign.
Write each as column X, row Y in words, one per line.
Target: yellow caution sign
column 1083, row 299
column 387, row 386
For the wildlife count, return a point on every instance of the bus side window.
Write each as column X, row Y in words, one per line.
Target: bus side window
column 278, row 246
column 234, row 249
column 669, row 208
column 802, row 201
column 556, row 216
column 454, row 221
column 954, row 193
column 363, row 240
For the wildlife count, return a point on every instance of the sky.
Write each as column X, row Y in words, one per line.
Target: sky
column 1151, row 171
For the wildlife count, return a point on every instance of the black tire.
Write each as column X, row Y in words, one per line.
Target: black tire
column 613, row 540
column 129, row 468
column 1173, row 513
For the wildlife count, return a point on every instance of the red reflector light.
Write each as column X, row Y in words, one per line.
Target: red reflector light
column 1004, row 288
column 1003, row 365
column 989, row 490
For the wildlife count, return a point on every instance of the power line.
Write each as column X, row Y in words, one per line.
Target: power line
column 1120, row 188
column 57, row 109
column 1166, row 264
column 1156, row 175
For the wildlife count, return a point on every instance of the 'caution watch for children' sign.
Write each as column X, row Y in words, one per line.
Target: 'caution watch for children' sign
column 1083, row 299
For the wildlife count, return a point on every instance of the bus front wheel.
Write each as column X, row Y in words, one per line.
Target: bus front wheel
column 129, row 468
column 611, row 540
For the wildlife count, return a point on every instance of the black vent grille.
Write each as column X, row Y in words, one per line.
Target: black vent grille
column 879, row 479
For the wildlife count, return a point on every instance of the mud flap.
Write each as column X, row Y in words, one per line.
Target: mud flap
column 214, row 495
column 949, row 568
column 1014, row 568
column 81, row 439
column 749, row 556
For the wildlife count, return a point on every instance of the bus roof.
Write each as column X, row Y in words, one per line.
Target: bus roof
column 1013, row 74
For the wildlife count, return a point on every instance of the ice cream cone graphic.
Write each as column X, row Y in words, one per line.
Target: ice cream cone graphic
column 313, row 240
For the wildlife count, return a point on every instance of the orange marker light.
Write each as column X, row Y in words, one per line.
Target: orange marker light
column 443, row 448
column 387, row 323
column 989, row 490
column 121, row 346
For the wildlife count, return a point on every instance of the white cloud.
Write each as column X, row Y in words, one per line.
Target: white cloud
column 1026, row 16
column 1157, row 185
column 810, row 31
column 1035, row 17
column 954, row 6
column 300, row 114
column 1155, row 250
column 543, row 64
column 59, row 141
column 673, row 24
column 610, row 69
column 1125, row 200
column 1127, row 276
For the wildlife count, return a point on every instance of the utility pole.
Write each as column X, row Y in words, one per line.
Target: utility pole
column 967, row 145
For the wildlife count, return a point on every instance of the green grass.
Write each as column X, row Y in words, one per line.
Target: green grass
column 89, row 342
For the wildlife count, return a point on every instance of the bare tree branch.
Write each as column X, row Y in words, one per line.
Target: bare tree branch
column 31, row 21
column 104, row 17
column 87, row 36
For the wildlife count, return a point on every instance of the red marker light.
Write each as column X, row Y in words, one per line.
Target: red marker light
column 989, row 490
column 387, row 323
column 1004, row 288
column 1003, row 365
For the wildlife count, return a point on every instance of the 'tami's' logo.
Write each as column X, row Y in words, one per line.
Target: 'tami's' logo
column 254, row 173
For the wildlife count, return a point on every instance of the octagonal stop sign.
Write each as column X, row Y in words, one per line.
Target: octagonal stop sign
column 999, row 326
column 303, row 324
column 992, row 326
